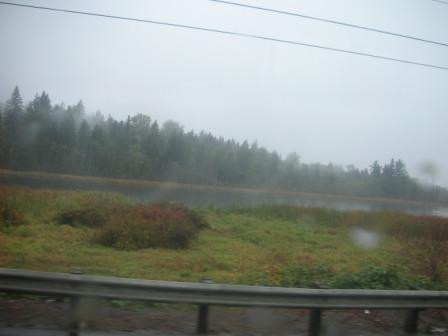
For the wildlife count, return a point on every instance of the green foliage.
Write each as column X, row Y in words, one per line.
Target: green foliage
column 163, row 225
column 64, row 139
column 306, row 276
column 320, row 275
column 246, row 246
column 372, row 277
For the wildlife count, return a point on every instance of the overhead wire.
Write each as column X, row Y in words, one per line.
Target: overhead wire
column 225, row 32
column 441, row 1
column 341, row 23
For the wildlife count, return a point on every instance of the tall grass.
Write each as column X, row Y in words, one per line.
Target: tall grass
column 10, row 214
column 274, row 245
column 400, row 226
column 424, row 239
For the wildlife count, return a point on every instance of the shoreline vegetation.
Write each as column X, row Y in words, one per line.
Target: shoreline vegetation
column 143, row 184
column 272, row 245
column 64, row 139
column 62, row 147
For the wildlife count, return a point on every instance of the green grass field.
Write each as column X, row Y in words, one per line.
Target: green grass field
column 263, row 245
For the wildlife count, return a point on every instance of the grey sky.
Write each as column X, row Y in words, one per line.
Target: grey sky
column 328, row 107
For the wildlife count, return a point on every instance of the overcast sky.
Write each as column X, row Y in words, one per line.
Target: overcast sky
column 326, row 106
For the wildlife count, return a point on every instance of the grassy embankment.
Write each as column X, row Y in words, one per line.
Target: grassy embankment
column 266, row 245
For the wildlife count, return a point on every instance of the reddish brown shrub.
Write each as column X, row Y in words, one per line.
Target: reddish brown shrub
column 426, row 241
column 10, row 215
column 91, row 212
column 163, row 225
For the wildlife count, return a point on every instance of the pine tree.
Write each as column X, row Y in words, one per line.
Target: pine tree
column 400, row 169
column 12, row 125
column 82, row 144
column 67, row 131
column 62, row 139
column 2, row 139
column 375, row 169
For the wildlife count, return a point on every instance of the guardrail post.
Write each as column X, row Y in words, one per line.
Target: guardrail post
column 314, row 322
column 411, row 321
column 74, row 311
column 316, row 315
column 202, row 326
column 74, row 321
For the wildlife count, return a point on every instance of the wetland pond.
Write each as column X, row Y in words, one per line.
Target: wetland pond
column 217, row 196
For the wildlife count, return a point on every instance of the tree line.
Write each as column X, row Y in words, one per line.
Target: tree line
column 40, row 136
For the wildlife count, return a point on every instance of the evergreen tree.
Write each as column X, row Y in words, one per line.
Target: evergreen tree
column 2, row 139
column 12, row 125
column 400, row 169
column 67, row 140
column 375, row 169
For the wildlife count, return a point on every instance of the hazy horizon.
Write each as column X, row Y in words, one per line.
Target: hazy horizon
column 325, row 106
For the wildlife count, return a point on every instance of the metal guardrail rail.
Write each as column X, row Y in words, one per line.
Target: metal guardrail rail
column 77, row 286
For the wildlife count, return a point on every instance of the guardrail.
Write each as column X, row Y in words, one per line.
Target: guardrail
column 76, row 286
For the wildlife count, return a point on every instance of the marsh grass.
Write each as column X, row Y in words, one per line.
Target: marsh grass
column 10, row 214
column 264, row 245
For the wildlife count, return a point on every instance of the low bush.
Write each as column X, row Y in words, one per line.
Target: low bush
column 425, row 240
column 372, row 277
column 10, row 215
column 90, row 217
column 306, row 276
column 164, row 225
column 92, row 211
column 369, row 277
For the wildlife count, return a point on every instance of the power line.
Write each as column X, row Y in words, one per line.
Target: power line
column 441, row 1
column 303, row 16
column 225, row 32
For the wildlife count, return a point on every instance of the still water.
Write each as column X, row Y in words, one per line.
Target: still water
column 224, row 198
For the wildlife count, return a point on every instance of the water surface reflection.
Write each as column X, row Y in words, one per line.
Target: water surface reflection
column 224, row 198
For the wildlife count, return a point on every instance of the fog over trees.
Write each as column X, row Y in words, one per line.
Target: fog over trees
column 40, row 136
